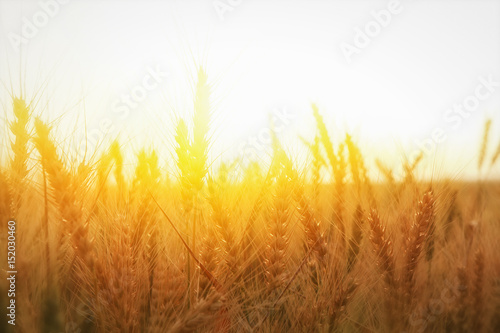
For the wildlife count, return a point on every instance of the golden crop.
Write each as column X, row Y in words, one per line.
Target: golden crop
column 276, row 250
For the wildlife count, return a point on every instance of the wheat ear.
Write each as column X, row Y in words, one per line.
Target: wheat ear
column 19, row 147
column 201, row 314
column 416, row 238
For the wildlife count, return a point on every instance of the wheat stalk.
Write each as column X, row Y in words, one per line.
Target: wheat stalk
column 416, row 238
column 117, row 157
column 484, row 144
column 168, row 292
column 356, row 237
column 222, row 220
column 314, row 236
column 277, row 239
column 495, row 156
column 383, row 249
column 338, row 165
column 64, row 194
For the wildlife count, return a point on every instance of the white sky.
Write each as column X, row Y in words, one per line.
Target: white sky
column 263, row 56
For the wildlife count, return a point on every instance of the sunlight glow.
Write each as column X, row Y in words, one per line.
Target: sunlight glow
column 98, row 67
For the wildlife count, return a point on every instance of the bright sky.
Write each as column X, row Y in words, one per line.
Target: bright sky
column 389, row 72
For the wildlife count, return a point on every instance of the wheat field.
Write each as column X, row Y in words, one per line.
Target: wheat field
column 117, row 245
